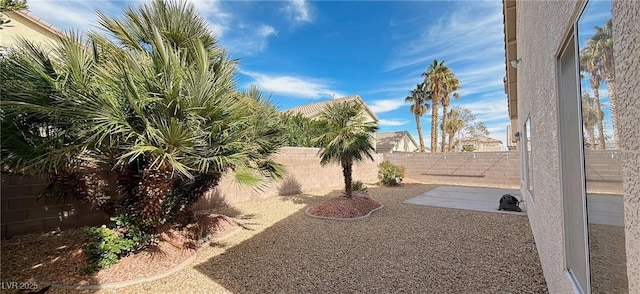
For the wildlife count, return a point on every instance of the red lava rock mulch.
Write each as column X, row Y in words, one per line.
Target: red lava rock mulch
column 58, row 257
column 343, row 207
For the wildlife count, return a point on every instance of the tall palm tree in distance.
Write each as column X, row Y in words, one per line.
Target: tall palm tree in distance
column 602, row 42
column 348, row 138
column 591, row 115
column 589, row 63
column 452, row 84
column 435, row 81
column 419, row 100
column 452, row 127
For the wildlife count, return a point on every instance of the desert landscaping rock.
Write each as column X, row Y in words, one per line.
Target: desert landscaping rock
column 404, row 248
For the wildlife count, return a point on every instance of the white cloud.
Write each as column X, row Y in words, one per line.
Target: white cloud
column 470, row 33
column 266, row 31
column 216, row 17
column 391, row 122
column 65, row 15
column 250, row 40
column 293, row 86
column 386, row 105
column 299, row 11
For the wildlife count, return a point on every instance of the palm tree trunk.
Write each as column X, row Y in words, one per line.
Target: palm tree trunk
column 444, row 123
column 419, row 126
column 347, row 172
column 434, row 127
column 613, row 89
column 592, row 137
column 154, row 188
column 596, row 95
column 451, row 135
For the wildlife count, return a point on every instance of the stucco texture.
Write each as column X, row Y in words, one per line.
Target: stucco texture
column 542, row 26
column 23, row 27
column 626, row 31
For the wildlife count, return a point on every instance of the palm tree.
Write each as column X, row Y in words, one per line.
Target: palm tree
column 451, row 85
column 590, row 64
column 348, row 138
column 435, row 81
column 155, row 100
column 602, row 43
column 419, row 106
column 590, row 117
column 453, row 125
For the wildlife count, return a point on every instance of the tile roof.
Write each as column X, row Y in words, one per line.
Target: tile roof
column 482, row 139
column 386, row 141
column 313, row 110
column 38, row 21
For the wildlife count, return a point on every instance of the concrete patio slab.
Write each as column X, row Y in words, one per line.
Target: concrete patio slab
column 605, row 209
column 469, row 198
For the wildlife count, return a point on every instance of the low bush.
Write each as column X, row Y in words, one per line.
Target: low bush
column 390, row 174
column 106, row 246
column 358, row 186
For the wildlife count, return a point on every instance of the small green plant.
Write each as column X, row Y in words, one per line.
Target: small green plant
column 358, row 186
column 390, row 174
column 106, row 246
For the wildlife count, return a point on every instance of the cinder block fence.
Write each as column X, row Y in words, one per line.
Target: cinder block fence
column 22, row 211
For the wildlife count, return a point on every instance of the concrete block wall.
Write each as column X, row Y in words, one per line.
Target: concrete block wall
column 501, row 169
column 22, row 211
column 485, row 169
column 603, row 171
column 304, row 174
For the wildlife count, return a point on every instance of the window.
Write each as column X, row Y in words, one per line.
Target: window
column 527, row 172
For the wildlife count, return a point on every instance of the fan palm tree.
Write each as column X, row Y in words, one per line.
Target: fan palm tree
column 420, row 104
column 155, row 100
column 589, row 63
column 453, row 125
column 348, row 138
column 435, row 81
column 451, row 85
column 602, row 43
column 590, row 117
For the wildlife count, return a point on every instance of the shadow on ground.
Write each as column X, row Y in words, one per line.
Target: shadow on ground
column 401, row 248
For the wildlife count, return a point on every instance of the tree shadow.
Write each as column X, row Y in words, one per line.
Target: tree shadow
column 400, row 249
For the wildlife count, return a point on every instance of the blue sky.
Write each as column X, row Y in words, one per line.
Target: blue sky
column 306, row 51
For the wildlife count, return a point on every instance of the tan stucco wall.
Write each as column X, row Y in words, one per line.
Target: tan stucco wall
column 542, row 26
column 22, row 27
column 405, row 145
column 541, row 29
column 626, row 32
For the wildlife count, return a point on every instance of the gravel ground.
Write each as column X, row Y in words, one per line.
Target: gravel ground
column 400, row 248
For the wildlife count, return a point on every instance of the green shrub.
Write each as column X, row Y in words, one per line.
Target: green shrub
column 389, row 173
column 358, row 186
column 106, row 246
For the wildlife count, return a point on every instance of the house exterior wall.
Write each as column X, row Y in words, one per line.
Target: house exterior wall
column 405, row 145
column 626, row 32
column 541, row 29
column 22, row 27
column 479, row 146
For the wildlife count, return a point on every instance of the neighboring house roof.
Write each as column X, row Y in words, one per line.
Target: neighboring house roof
column 38, row 21
column 24, row 24
column 386, row 141
column 480, row 139
column 313, row 110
